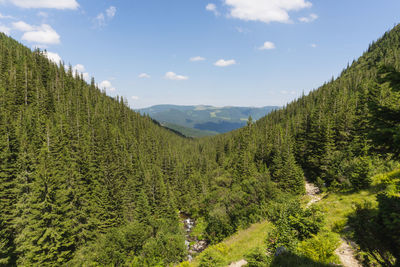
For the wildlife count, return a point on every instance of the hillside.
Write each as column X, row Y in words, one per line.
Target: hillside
column 76, row 163
column 336, row 137
column 204, row 120
column 86, row 181
column 340, row 216
column 188, row 132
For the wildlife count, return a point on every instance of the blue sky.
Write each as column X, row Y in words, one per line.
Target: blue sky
column 216, row 52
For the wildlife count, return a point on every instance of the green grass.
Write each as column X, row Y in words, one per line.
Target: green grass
column 290, row 260
column 338, row 206
column 243, row 241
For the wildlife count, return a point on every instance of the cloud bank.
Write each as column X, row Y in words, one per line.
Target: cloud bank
column 265, row 10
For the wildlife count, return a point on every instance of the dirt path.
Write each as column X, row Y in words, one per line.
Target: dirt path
column 313, row 192
column 345, row 252
column 346, row 255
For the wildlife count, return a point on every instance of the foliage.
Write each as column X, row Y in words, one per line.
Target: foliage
column 199, row 229
column 257, row 258
column 321, row 247
column 77, row 167
column 214, row 255
column 290, row 259
column 384, row 104
column 292, row 223
column 133, row 243
column 359, row 171
column 376, row 228
column 243, row 241
column 368, row 234
column 184, row 264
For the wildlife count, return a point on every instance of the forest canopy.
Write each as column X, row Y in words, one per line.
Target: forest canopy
column 85, row 180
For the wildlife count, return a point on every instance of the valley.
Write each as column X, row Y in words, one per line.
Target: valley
column 198, row 121
column 87, row 181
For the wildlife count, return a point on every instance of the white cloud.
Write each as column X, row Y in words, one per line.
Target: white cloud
column 267, row 46
column 134, row 97
column 111, row 12
column 53, row 57
column 173, row 76
column 313, row 45
column 22, row 26
column 5, row 17
column 144, row 76
column 213, row 8
column 106, row 85
column 265, row 10
column 308, row 19
column 101, row 19
column 195, row 59
column 57, row 4
column 80, row 69
column 43, row 34
column 86, row 76
column 5, row 29
column 225, row 63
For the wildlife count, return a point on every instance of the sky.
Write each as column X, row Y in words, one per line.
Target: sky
column 202, row 52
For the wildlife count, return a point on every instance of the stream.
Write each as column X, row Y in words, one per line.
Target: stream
column 193, row 245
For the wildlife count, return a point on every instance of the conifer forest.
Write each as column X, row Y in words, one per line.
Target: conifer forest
column 87, row 181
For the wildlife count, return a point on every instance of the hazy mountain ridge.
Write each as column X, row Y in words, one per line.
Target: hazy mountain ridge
column 205, row 119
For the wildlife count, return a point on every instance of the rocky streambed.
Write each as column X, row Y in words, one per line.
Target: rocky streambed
column 193, row 245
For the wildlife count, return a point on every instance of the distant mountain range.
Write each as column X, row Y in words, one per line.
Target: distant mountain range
column 197, row 121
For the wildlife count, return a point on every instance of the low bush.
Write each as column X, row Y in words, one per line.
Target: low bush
column 321, row 247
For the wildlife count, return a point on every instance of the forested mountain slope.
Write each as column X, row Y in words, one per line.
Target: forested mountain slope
column 87, row 181
column 338, row 124
column 337, row 136
column 84, row 179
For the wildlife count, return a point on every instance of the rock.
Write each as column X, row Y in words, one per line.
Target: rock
column 199, row 246
column 280, row 250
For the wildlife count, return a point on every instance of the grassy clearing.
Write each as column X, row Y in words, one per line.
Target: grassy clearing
column 243, row 241
column 338, row 206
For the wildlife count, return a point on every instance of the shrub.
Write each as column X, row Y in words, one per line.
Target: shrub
column 214, row 256
column 289, row 259
column 184, row 264
column 292, row 223
column 359, row 173
column 257, row 258
column 199, row 229
column 321, row 248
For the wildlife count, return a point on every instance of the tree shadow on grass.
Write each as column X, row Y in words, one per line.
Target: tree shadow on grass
column 372, row 190
column 289, row 259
